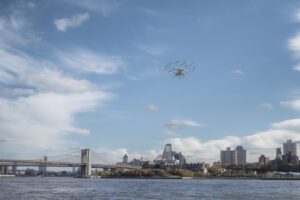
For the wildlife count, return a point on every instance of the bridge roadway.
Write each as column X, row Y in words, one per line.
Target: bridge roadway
column 36, row 163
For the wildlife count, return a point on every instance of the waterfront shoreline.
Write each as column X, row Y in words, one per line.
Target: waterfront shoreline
column 170, row 178
column 184, row 178
column 137, row 177
column 204, row 178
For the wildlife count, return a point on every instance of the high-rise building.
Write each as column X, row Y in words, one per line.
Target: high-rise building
column 290, row 159
column 263, row 160
column 237, row 156
column 227, row 156
column 240, row 156
column 125, row 159
column 167, row 154
column 291, row 147
column 278, row 154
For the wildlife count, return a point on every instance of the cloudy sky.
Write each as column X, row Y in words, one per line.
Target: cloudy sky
column 76, row 74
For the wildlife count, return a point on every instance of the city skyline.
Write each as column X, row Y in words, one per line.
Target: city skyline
column 91, row 75
column 229, row 159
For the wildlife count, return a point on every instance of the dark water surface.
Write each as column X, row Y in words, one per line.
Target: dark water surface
column 19, row 188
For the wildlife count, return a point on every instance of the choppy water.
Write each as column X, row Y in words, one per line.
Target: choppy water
column 71, row 189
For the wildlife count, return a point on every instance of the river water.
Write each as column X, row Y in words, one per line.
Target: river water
column 33, row 188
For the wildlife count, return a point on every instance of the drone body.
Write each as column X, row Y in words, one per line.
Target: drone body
column 179, row 72
column 180, row 68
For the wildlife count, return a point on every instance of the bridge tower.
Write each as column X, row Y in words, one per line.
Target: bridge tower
column 86, row 168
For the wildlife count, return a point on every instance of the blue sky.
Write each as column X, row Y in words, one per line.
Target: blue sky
column 77, row 74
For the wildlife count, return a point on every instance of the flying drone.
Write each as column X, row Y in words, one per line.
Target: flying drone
column 180, row 68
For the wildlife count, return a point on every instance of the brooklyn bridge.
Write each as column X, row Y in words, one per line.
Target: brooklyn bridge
column 85, row 165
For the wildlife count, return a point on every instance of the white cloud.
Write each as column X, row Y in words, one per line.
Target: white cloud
column 80, row 131
column 17, row 67
column 16, row 92
column 5, row 77
column 271, row 138
column 274, row 137
column 237, row 72
column 15, row 27
column 139, row 76
column 15, row 62
column 297, row 15
column 43, row 118
column 90, row 62
column 31, row 5
column 266, row 105
column 152, row 107
column 297, row 67
column 116, row 155
column 105, row 7
column 40, row 121
column 55, row 81
column 291, row 124
column 295, row 104
column 38, row 102
column 176, row 124
column 294, row 45
column 154, row 50
column 196, row 150
column 173, row 127
column 263, row 142
column 65, row 23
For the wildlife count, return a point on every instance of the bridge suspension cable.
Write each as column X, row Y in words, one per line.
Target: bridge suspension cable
column 69, row 156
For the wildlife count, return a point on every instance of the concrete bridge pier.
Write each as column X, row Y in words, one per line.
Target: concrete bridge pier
column 3, row 170
column 86, row 168
column 42, row 170
column 43, row 167
column 14, row 169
